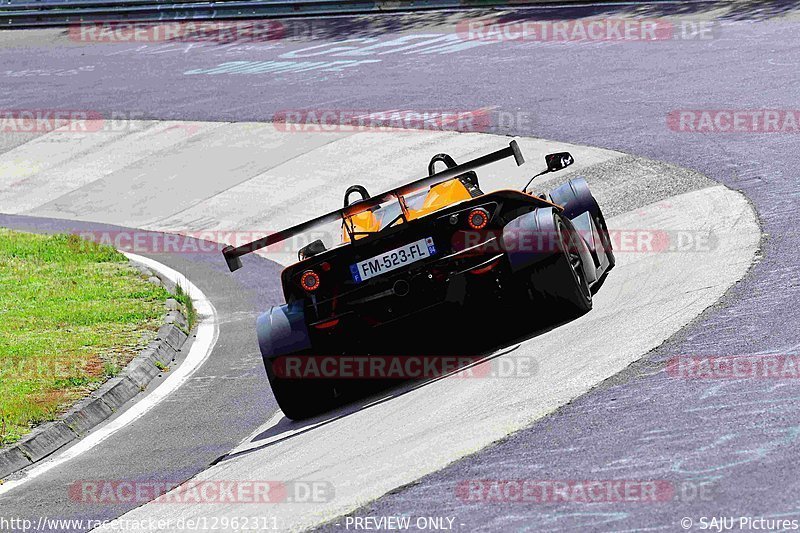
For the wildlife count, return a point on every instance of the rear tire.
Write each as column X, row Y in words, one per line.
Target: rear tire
column 560, row 280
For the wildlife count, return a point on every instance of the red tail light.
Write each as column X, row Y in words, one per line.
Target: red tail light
column 478, row 218
column 309, row 280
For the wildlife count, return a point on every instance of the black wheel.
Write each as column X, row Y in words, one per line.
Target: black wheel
column 560, row 280
column 303, row 398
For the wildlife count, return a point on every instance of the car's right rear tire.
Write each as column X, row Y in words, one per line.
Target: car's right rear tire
column 559, row 281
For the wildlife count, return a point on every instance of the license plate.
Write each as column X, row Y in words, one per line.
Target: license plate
column 393, row 259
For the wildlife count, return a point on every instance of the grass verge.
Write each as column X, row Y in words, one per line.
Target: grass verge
column 187, row 306
column 72, row 315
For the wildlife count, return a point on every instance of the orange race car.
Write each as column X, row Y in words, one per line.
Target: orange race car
column 433, row 245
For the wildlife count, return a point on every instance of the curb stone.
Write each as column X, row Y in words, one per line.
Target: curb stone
column 102, row 403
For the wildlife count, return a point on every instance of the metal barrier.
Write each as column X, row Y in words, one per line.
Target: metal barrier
column 28, row 13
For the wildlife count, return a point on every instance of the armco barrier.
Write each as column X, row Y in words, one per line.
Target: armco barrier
column 29, row 13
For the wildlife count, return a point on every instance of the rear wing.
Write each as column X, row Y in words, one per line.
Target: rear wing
column 232, row 254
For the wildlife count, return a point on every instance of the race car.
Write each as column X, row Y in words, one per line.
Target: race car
column 433, row 247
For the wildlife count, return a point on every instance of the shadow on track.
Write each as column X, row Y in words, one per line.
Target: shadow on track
column 507, row 338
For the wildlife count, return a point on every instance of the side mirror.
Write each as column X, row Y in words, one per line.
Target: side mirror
column 558, row 161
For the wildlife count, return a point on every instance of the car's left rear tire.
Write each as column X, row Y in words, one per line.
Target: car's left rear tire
column 301, row 398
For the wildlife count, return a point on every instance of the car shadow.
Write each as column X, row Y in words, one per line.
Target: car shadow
column 508, row 337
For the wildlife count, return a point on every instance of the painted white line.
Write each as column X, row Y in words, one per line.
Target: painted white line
column 207, row 334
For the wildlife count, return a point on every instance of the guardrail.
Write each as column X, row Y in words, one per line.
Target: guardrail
column 31, row 13
column 27, row 13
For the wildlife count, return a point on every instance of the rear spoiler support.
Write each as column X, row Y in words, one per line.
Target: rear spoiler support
column 232, row 254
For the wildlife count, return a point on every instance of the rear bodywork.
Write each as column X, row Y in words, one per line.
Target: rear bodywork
column 465, row 265
column 353, row 296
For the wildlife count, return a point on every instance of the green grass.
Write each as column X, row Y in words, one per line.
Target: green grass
column 72, row 314
column 188, row 306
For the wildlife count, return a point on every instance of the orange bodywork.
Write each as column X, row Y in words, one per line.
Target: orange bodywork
column 364, row 222
column 438, row 197
column 441, row 196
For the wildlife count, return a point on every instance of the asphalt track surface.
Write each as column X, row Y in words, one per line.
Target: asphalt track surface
column 367, row 450
column 73, row 175
column 737, row 435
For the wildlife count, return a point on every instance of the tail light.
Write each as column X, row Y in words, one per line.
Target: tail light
column 309, row 281
column 478, row 218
